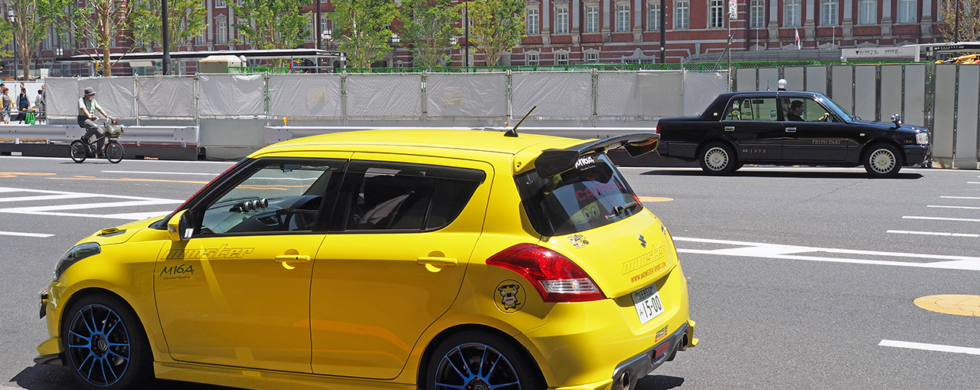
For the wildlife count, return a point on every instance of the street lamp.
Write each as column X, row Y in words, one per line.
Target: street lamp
column 13, row 20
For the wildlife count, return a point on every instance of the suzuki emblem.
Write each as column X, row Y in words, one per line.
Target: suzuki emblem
column 642, row 241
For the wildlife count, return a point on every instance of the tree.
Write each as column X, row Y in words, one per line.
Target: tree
column 498, row 26
column 97, row 25
column 186, row 20
column 272, row 24
column 429, row 29
column 364, row 29
column 969, row 20
column 29, row 28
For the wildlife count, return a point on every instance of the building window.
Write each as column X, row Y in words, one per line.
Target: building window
column 199, row 39
column 531, row 58
column 532, row 21
column 653, row 15
column 561, row 20
column 716, row 14
column 591, row 18
column 310, row 31
column 828, row 13
column 561, row 58
column 906, row 11
column 220, row 4
column 622, row 17
column 792, row 13
column 592, row 57
column 222, row 37
column 682, row 14
column 757, row 14
column 867, row 12
column 48, row 38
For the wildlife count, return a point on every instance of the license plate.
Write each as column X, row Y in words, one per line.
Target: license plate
column 647, row 302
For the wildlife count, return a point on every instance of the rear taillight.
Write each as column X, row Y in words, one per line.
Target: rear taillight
column 658, row 128
column 556, row 278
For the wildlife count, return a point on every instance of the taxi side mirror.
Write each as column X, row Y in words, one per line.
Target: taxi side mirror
column 180, row 227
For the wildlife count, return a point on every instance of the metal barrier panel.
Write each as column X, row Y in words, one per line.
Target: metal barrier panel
column 466, row 95
column 654, row 93
column 305, row 96
column 558, row 95
column 968, row 102
column 116, row 95
column 384, row 96
column 944, row 111
column 866, row 92
column 617, row 95
column 768, row 79
column 166, row 97
column 915, row 95
column 700, row 89
column 61, row 97
column 745, row 80
column 794, row 78
column 891, row 91
column 842, row 86
column 816, row 79
column 232, row 95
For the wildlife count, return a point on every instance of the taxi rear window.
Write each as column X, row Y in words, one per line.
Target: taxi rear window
column 591, row 195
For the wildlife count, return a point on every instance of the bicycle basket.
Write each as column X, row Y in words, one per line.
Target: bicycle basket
column 113, row 131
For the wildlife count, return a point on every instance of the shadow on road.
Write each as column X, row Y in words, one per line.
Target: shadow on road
column 659, row 382
column 781, row 173
column 44, row 377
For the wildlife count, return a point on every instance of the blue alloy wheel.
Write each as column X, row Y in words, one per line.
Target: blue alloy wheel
column 476, row 367
column 99, row 345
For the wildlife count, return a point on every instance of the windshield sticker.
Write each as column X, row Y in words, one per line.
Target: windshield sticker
column 599, row 189
column 772, row 113
column 510, row 295
column 585, row 163
column 578, row 240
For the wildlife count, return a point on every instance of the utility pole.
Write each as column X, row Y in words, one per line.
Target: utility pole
column 166, row 37
column 466, row 27
column 663, row 31
column 317, row 36
column 956, row 24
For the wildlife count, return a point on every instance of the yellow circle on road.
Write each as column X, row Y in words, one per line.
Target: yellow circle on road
column 654, row 199
column 961, row 305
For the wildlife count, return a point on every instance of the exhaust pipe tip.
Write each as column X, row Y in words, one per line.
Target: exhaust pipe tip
column 624, row 381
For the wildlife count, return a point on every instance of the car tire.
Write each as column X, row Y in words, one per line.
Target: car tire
column 882, row 160
column 465, row 359
column 718, row 158
column 104, row 344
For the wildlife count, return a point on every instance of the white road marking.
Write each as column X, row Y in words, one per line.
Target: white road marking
column 955, row 207
column 164, row 173
column 791, row 252
column 38, row 235
column 936, row 234
column 960, row 197
column 929, row 347
column 55, row 210
column 942, row 219
column 46, row 197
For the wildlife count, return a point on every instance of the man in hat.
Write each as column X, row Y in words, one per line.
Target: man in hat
column 86, row 117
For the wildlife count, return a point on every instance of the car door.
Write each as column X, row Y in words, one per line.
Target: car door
column 397, row 263
column 820, row 138
column 237, row 292
column 752, row 123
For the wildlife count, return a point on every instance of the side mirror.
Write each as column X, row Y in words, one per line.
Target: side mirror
column 180, row 227
column 897, row 119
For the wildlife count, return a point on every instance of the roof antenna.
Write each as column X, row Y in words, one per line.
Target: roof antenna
column 513, row 132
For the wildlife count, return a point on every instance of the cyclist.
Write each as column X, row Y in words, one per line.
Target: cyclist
column 86, row 117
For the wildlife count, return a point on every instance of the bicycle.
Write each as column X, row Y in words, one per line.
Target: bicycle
column 113, row 151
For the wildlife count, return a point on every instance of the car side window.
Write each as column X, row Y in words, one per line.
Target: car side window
column 274, row 196
column 814, row 112
column 751, row 109
column 395, row 196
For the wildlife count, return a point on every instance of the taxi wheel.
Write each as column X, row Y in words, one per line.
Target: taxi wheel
column 479, row 360
column 882, row 160
column 718, row 159
column 104, row 343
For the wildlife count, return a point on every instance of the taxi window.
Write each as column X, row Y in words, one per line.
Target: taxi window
column 275, row 196
column 591, row 195
column 395, row 196
column 751, row 109
column 814, row 112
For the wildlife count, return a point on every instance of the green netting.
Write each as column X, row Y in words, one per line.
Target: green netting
column 257, row 69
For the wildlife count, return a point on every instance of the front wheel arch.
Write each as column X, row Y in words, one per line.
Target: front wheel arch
column 423, row 367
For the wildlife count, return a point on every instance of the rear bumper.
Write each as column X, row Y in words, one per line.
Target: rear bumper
column 916, row 154
column 627, row 374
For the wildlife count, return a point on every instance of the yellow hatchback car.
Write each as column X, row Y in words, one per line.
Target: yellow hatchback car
column 428, row 259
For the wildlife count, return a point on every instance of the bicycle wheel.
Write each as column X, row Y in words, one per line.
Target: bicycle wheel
column 78, row 151
column 114, row 152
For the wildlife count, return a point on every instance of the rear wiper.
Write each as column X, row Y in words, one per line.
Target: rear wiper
column 618, row 210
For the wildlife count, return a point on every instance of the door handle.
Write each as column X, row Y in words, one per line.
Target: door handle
column 790, row 129
column 292, row 258
column 729, row 128
column 438, row 261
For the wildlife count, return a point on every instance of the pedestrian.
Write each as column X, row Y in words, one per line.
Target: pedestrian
column 23, row 104
column 6, row 105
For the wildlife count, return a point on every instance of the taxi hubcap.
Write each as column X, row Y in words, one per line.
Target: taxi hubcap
column 98, row 345
column 475, row 367
column 716, row 158
column 882, row 160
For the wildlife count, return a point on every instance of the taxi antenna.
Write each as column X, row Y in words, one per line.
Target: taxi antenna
column 513, row 132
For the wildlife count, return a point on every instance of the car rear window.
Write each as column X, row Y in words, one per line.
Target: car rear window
column 591, row 195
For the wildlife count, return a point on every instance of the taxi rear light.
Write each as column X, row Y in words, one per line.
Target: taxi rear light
column 658, row 128
column 557, row 278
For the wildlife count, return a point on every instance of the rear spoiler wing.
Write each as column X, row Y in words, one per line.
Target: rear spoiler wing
column 554, row 161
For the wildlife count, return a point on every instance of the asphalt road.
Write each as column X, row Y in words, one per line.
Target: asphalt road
column 799, row 277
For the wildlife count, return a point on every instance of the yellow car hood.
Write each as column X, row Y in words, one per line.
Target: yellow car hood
column 121, row 233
